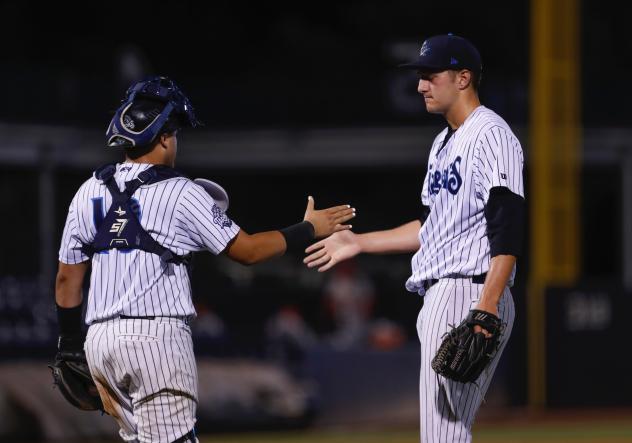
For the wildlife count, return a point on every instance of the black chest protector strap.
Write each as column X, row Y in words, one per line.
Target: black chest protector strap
column 121, row 228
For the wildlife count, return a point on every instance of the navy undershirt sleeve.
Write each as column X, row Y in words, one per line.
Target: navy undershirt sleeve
column 424, row 213
column 504, row 213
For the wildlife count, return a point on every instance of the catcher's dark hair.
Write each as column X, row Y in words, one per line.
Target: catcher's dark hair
column 144, row 111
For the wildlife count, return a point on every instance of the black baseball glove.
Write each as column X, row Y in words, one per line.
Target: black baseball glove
column 464, row 354
column 72, row 376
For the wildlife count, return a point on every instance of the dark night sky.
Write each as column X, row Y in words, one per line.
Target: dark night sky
column 272, row 65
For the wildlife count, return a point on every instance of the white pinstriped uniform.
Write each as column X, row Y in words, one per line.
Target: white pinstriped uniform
column 447, row 408
column 145, row 369
column 481, row 154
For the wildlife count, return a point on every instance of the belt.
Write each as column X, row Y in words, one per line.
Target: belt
column 476, row 279
column 138, row 317
column 185, row 319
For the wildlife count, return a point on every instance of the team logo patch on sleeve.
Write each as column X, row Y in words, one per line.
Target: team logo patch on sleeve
column 220, row 218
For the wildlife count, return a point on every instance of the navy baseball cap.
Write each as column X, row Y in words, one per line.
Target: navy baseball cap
column 443, row 52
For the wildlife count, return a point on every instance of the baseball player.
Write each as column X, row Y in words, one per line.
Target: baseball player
column 137, row 223
column 468, row 237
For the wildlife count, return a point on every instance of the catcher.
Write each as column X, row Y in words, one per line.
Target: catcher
column 465, row 242
column 136, row 223
column 71, row 374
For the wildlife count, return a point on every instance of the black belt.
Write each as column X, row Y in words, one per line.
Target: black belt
column 138, row 317
column 476, row 279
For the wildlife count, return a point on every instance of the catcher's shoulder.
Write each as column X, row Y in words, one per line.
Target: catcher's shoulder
column 191, row 191
column 88, row 184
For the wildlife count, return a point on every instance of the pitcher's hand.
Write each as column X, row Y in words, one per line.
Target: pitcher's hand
column 334, row 249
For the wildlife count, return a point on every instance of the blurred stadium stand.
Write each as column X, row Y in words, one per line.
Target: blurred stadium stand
column 296, row 101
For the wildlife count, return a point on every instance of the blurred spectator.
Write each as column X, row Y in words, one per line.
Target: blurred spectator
column 386, row 335
column 132, row 65
column 288, row 336
column 349, row 296
column 207, row 323
column 209, row 331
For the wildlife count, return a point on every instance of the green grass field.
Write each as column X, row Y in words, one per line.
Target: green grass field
column 603, row 432
column 569, row 428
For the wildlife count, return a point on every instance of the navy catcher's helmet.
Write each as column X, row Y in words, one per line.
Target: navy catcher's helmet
column 133, row 127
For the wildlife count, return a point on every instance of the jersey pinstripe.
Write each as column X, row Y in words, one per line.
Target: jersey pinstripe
column 481, row 154
column 176, row 212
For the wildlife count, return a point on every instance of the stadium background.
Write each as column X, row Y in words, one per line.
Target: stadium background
column 305, row 99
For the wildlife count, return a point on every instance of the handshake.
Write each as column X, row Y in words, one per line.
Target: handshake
column 338, row 242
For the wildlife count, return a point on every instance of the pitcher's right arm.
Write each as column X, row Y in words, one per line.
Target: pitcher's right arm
column 345, row 244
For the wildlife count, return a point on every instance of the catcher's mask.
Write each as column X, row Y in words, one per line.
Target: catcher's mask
column 129, row 131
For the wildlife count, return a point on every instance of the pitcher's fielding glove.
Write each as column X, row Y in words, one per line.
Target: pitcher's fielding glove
column 464, row 354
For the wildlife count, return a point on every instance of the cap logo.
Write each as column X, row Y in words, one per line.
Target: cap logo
column 453, row 61
column 424, row 49
column 128, row 122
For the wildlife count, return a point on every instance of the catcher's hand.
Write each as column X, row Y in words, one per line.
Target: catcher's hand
column 464, row 353
column 72, row 376
column 330, row 220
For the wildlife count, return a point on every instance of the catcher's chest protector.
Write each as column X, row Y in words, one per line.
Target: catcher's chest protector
column 120, row 228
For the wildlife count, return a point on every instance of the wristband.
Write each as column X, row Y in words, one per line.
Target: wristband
column 298, row 236
column 69, row 320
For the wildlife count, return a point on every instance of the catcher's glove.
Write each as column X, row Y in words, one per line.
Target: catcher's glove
column 72, row 376
column 464, row 354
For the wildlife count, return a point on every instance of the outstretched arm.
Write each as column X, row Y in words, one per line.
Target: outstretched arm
column 344, row 245
column 249, row 249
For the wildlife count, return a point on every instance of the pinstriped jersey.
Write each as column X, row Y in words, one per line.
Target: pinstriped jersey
column 481, row 154
column 176, row 212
